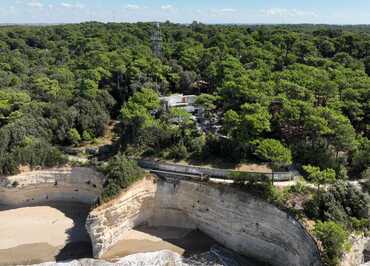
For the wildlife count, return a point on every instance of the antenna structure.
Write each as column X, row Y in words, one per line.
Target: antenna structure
column 157, row 40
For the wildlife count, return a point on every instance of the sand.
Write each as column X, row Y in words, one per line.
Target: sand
column 33, row 225
column 43, row 233
column 143, row 239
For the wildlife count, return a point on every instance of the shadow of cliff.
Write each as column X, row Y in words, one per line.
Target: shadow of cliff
column 78, row 244
column 193, row 242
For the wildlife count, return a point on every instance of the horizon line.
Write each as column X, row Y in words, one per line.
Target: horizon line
column 180, row 23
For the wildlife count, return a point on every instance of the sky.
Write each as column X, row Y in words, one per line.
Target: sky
column 186, row 11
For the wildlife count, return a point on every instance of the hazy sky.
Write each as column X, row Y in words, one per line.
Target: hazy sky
column 184, row 11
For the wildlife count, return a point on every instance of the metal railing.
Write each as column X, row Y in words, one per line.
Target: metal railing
column 214, row 172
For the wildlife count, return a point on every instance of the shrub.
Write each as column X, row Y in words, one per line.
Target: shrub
column 178, row 152
column 366, row 173
column 242, row 177
column 273, row 151
column 73, row 136
column 361, row 158
column 120, row 172
column 339, row 203
column 319, row 177
column 87, row 135
column 360, row 225
column 334, row 241
column 197, row 146
column 38, row 153
column 299, row 188
column 32, row 152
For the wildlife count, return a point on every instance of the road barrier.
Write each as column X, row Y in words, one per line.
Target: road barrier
column 215, row 172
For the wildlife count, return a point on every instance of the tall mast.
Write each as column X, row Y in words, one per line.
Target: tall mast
column 157, row 41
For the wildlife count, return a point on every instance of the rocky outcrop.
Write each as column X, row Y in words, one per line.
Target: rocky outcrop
column 107, row 224
column 355, row 256
column 141, row 259
column 235, row 219
column 159, row 258
column 71, row 184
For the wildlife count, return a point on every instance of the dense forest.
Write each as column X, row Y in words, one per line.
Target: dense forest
column 289, row 95
column 283, row 94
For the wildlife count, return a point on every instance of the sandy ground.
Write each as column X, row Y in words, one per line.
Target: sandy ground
column 148, row 239
column 43, row 233
column 258, row 168
column 217, row 163
column 33, row 225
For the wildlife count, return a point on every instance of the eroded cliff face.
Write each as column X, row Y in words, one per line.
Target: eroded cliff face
column 69, row 184
column 107, row 224
column 235, row 219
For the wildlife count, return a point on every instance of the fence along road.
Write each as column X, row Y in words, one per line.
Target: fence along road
column 189, row 171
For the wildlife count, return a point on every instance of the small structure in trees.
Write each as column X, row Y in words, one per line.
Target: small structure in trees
column 185, row 102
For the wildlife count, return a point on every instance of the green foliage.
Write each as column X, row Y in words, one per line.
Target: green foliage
column 207, row 101
column 87, row 136
column 45, row 88
column 360, row 225
column 136, row 114
column 334, row 241
column 299, row 187
column 12, row 101
column 255, row 119
column 120, row 172
column 318, row 177
column 273, row 151
column 243, row 177
column 32, row 152
column 303, row 85
column 361, row 159
column 74, row 136
column 178, row 152
column 339, row 203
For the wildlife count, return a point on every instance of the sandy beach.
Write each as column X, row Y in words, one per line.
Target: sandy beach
column 142, row 239
column 43, row 233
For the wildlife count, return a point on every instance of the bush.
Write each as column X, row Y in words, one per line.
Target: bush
column 361, row 158
column 299, row 188
column 120, row 172
column 242, row 177
column 197, row 146
column 334, row 241
column 73, row 136
column 339, row 203
column 360, row 225
column 87, row 135
column 273, row 151
column 33, row 152
column 178, row 152
column 366, row 173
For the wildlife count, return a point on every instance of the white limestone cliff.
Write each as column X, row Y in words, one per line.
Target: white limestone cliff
column 236, row 219
column 72, row 184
